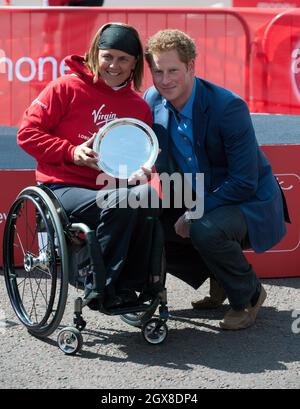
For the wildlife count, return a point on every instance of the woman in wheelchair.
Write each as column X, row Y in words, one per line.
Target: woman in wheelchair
column 58, row 130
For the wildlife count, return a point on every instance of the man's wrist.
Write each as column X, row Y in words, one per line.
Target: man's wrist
column 187, row 217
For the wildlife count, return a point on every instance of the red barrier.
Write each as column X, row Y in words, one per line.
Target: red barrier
column 12, row 182
column 266, row 3
column 34, row 42
column 254, row 52
column 280, row 60
column 283, row 260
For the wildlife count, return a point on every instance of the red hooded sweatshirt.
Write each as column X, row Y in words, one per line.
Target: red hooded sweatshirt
column 67, row 113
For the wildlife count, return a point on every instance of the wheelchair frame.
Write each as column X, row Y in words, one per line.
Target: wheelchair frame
column 45, row 259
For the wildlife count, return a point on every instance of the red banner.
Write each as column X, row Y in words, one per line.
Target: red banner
column 33, row 44
column 253, row 52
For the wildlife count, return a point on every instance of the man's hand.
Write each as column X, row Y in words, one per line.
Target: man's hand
column 85, row 156
column 141, row 176
column 182, row 228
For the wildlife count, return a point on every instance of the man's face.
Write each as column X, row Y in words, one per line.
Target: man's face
column 173, row 78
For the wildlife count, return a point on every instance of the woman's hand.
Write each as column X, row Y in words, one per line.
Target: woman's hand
column 85, row 156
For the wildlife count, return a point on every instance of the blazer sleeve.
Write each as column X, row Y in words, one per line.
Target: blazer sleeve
column 240, row 147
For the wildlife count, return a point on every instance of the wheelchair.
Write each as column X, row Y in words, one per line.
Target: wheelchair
column 45, row 251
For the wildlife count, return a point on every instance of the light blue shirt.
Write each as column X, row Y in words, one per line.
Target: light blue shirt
column 181, row 127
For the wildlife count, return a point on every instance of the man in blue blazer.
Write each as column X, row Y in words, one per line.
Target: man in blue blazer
column 205, row 129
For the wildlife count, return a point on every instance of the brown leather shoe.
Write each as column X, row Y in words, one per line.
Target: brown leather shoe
column 216, row 297
column 234, row 320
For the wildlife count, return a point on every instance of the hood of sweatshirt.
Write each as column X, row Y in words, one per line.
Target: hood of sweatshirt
column 77, row 67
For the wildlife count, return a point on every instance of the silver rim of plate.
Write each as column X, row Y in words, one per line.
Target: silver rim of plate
column 124, row 145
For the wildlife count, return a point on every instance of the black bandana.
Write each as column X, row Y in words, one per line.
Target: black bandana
column 118, row 37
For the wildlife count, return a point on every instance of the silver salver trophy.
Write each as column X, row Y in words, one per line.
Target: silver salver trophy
column 124, row 145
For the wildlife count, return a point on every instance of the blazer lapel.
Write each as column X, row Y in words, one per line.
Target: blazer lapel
column 200, row 124
column 161, row 120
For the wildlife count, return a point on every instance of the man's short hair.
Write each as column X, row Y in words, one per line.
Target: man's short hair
column 169, row 39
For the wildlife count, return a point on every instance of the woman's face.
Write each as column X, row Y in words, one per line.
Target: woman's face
column 115, row 66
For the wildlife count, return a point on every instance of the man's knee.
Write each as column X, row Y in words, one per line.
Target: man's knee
column 205, row 235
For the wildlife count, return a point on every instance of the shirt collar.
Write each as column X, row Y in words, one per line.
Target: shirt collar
column 187, row 110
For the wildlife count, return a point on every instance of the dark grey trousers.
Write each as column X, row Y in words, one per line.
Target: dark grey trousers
column 124, row 233
column 219, row 238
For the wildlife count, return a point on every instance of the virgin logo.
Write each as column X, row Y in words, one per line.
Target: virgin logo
column 101, row 118
column 295, row 70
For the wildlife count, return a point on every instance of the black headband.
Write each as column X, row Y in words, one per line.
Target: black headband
column 121, row 38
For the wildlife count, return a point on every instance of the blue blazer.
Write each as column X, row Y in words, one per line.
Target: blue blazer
column 236, row 171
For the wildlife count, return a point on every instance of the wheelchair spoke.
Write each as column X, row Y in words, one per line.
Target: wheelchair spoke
column 42, row 293
column 24, row 284
column 33, row 304
column 20, row 242
column 47, row 273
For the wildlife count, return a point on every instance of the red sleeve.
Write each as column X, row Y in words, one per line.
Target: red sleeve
column 37, row 131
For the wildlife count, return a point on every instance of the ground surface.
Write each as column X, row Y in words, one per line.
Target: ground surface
column 196, row 354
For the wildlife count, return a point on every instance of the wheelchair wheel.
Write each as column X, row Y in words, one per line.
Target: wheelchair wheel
column 155, row 331
column 134, row 319
column 70, row 340
column 137, row 319
column 35, row 262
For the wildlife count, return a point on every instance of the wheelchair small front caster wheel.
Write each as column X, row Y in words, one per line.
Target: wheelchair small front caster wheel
column 70, row 340
column 155, row 331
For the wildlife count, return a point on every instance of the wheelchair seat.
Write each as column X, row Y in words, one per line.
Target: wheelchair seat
column 44, row 251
